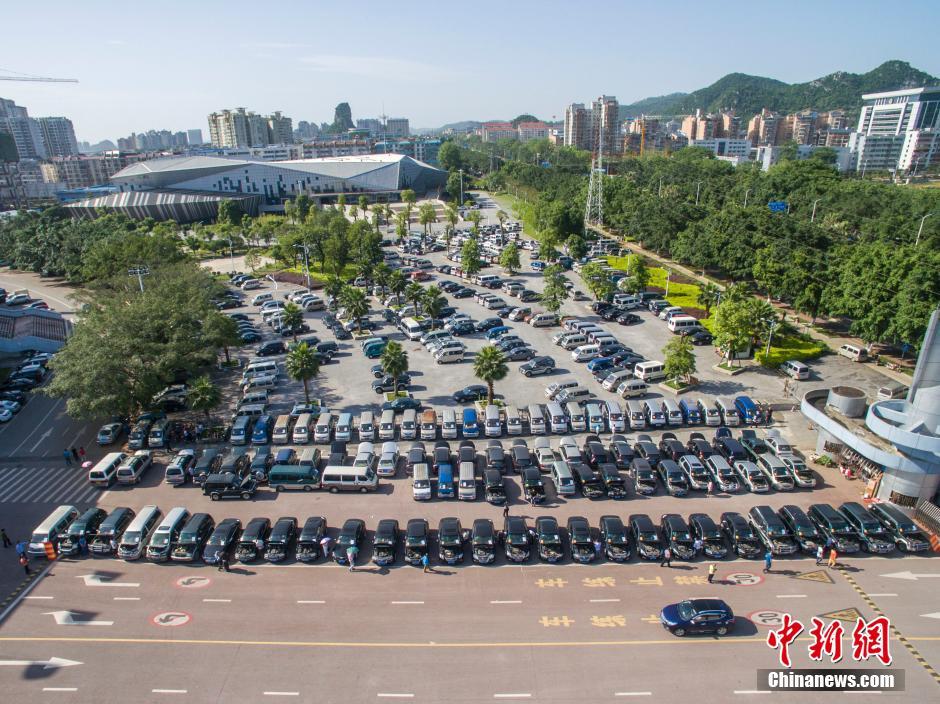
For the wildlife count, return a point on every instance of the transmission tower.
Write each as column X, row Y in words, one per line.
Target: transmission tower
column 594, row 207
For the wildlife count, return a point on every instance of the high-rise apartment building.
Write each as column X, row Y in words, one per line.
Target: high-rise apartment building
column 605, row 119
column 280, row 129
column 241, row 128
column 495, row 130
column 578, row 127
column 898, row 131
column 372, row 124
column 194, row 137
column 397, row 127
column 58, row 135
column 700, row 126
column 762, row 128
column 306, row 131
column 25, row 130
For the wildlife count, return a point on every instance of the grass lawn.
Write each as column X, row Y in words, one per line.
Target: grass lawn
column 680, row 294
column 790, row 345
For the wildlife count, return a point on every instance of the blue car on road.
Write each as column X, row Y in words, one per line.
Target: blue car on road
column 697, row 616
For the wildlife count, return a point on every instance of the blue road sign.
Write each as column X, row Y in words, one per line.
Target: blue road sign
column 777, row 206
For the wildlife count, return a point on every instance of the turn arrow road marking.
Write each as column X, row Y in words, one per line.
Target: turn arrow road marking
column 96, row 580
column 911, row 576
column 67, row 618
column 935, row 614
column 49, row 664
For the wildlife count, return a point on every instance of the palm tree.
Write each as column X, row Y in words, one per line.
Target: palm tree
column 474, row 217
column 292, row 317
column 502, row 216
column 452, row 218
column 303, row 364
column 415, row 293
column 354, row 211
column 434, row 303
column 490, row 365
column 409, row 197
column 334, row 286
column 381, row 273
column 397, row 283
column 402, row 223
column 204, row 395
column 364, row 205
column 341, row 202
column 356, row 304
column 709, row 295
column 394, row 359
column 426, row 216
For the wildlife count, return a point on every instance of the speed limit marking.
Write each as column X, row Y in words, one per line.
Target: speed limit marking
column 744, row 579
column 767, row 618
column 171, row 618
column 193, row 582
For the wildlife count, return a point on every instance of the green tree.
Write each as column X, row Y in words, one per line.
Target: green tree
column 502, row 216
column 576, row 246
column 708, row 295
column 733, row 327
column 355, row 303
column 363, row 202
column 490, row 366
column 453, row 187
column 292, row 317
column 415, row 294
column 679, row 358
column 597, row 281
column 303, row 364
column 434, row 302
column 638, row 273
column 451, row 218
column 394, row 359
column 474, row 217
column 554, row 294
column 354, row 211
column 509, row 258
column 204, row 396
column 470, row 257
column 381, row 275
column 402, row 223
column 450, row 156
column 397, row 283
column 333, row 288
column 426, row 216
column 341, row 202
column 229, row 213
column 221, row 331
column 252, row 259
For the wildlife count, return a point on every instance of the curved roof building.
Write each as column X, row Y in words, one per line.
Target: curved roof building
column 190, row 187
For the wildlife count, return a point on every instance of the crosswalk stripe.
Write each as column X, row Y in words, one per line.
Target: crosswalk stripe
column 26, row 488
column 69, row 488
column 90, row 496
column 20, row 476
column 48, row 487
column 43, row 484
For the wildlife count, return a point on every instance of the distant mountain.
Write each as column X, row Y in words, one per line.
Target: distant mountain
column 749, row 94
column 458, row 126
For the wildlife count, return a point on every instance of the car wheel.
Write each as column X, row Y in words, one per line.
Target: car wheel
column 363, row 490
column 527, row 375
column 308, row 488
column 678, row 632
column 246, row 496
column 278, row 489
column 722, row 630
column 214, row 496
column 334, row 490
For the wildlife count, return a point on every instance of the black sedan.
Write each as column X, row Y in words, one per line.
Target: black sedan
column 521, row 353
column 538, row 366
column 474, row 392
column 385, row 542
column 488, row 324
column 629, row 319
column 483, row 541
column 221, row 541
column 417, row 541
column 402, row 404
column 450, row 540
column 580, row 543
column 697, row 616
column 615, row 538
column 516, row 539
column 389, row 383
column 352, row 535
column 548, row 539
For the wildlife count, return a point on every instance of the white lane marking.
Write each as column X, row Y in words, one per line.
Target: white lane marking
column 751, row 691
column 25, row 592
column 169, row 691
column 282, row 694
column 103, row 494
column 518, row 695
column 127, row 598
column 633, row 694
column 395, row 695
column 791, row 596
column 873, row 691
column 46, row 480
column 310, row 601
column 69, row 489
column 602, row 601
column 407, row 602
column 25, row 488
column 506, row 602
column 20, row 475
column 39, row 597
column 40, row 440
column 886, row 594
column 60, row 689
column 89, row 495
column 217, row 601
column 77, row 438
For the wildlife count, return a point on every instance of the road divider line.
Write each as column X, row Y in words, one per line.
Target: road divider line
column 395, row 695
column 889, row 594
column 218, row 601
column 518, row 601
column 752, row 691
column 282, row 694
column 310, row 601
column 126, row 598
column 791, row 596
column 633, row 694
column 404, row 603
column 39, row 597
column 602, row 601
column 519, row 695
column 169, row 691
column 60, row 689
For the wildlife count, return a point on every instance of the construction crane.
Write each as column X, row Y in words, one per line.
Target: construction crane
column 34, row 79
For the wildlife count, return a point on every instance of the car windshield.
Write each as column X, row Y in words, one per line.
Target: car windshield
column 217, row 539
column 131, row 537
column 909, row 529
column 160, row 540
column 686, row 612
column 517, row 538
column 644, row 474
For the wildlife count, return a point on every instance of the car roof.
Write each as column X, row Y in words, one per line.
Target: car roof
column 386, row 525
column 701, row 605
column 417, row 526
column 550, row 521
column 352, row 524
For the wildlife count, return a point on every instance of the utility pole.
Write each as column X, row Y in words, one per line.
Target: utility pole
column 746, row 194
column 140, row 272
column 231, row 253
column 698, row 188
column 460, row 204
column 594, row 206
column 306, row 251
column 770, row 337
column 813, row 217
column 660, row 194
column 921, row 228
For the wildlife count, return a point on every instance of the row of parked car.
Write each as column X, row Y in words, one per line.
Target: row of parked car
column 182, row 536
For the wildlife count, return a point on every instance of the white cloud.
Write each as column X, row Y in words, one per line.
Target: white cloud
column 377, row 67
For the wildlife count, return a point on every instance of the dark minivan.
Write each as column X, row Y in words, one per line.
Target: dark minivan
column 221, row 541
column 110, row 531
column 253, row 539
column 308, row 544
column 834, row 527
column 193, row 538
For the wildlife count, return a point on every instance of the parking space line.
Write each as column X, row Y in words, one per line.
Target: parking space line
column 281, row 694
column 310, row 601
column 60, row 689
column 169, row 691
column 633, row 694
column 217, row 601
column 602, row 601
column 39, row 597
column 752, row 691
column 882, row 595
column 407, row 602
column 127, row 598
column 791, row 596
column 506, row 602
column 395, row 695
column 519, row 695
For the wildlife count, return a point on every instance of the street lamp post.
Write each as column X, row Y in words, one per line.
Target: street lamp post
column 460, row 204
column 231, row 253
column 668, row 274
column 921, row 228
column 698, row 187
column 746, row 194
column 660, row 194
column 813, row 217
column 306, row 250
column 272, row 280
column 140, row 272
column 770, row 337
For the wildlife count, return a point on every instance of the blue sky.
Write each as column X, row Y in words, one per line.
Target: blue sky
column 166, row 65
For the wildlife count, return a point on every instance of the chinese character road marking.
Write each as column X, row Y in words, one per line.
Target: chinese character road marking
column 555, row 582
column 549, row 621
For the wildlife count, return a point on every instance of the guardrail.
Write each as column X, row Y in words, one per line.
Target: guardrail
column 928, row 515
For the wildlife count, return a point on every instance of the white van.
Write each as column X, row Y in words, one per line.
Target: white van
column 449, row 355
column 467, row 482
column 513, row 421
column 615, row 417
column 281, row 433
column 448, row 424
column 52, row 529
column 709, row 412
column 577, row 417
column 672, row 411
column 678, row 323
column 632, row 388
column 655, row 418
column 627, row 300
column 387, row 426
column 542, row 320
column 409, row 424
column 600, row 334
column 667, row 310
column 729, row 414
column 605, row 344
column 337, row 479
column 486, row 279
column 585, row 353
column 650, row 371
column 562, row 478
column 263, row 382
column 301, row 434
column 636, row 415
column 856, row 354
column 260, row 298
column 795, row 369
column 262, row 367
column 133, row 467
column 557, row 418
column 575, row 393
column 614, row 379
column 321, row 431
column 135, row 537
column 891, row 391
column 572, row 340
column 105, row 472
column 412, row 329
column 435, row 335
column 595, row 418
column 421, row 482
column 536, row 419
column 493, row 427
column 366, row 426
column 343, row 427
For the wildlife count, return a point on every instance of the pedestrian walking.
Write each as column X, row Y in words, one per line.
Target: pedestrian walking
column 223, row 563
column 768, row 561
column 820, row 554
column 833, row 556
column 597, row 548
column 74, row 452
column 667, row 558
column 67, row 456
column 711, row 486
column 506, row 511
column 6, row 539
column 351, row 553
column 21, row 548
column 770, row 415
column 325, row 546
column 25, row 563
column 426, row 562
column 81, row 453
column 712, row 569
column 697, row 545
column 82, row 546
